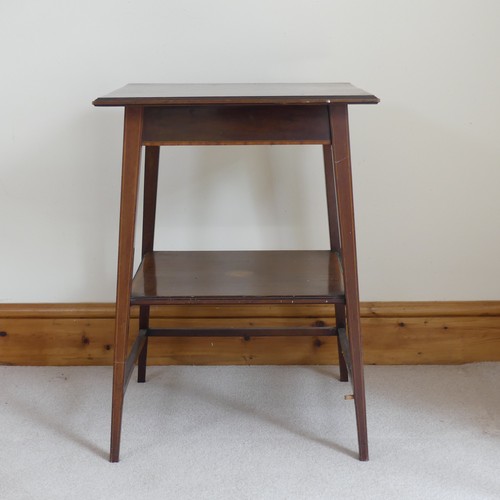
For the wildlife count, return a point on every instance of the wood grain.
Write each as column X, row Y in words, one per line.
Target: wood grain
column 239, row 277
column 393, row 333
column 265, row 124
column 161, row 94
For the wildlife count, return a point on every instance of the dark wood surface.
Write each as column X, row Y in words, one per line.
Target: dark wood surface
column 279, row 277
column 258, row 124
column 132, row 145
column 238, row 277
column 236, row 93
column 341, row 154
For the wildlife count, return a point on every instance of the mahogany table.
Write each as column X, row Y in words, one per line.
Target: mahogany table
column 169, row 114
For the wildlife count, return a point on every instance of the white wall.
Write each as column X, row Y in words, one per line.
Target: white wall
column 426, row 160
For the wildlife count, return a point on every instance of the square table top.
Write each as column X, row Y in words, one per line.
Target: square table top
column 163, row 94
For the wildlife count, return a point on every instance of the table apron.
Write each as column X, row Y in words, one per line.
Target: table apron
column 264, row 124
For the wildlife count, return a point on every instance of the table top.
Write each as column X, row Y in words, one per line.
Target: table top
column 158, row 94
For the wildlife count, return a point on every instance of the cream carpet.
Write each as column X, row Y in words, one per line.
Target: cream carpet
column 251, row 433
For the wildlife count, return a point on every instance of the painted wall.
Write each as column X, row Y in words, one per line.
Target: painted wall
column 426, row 160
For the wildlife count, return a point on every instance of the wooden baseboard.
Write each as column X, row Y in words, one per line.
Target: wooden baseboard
column 393, row 333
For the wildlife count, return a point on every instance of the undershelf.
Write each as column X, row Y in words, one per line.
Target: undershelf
column 239, row 277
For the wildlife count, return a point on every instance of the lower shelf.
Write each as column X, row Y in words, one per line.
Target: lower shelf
column 239, row 277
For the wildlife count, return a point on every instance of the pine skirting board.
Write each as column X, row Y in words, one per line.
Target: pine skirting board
column 393, row 333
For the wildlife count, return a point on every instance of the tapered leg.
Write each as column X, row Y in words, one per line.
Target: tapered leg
column 152, row 158
column 143, row 354
column 331, row 198
column 343, row 181
column 333, row 226
column 151, row 162
column 340, row 323
column 132, row 143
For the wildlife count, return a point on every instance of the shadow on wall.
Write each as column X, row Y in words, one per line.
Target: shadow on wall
column 245, row 197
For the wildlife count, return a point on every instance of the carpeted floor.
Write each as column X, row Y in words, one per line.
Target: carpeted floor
column 251, row 433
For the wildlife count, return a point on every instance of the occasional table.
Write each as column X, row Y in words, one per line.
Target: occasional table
column 235, row 114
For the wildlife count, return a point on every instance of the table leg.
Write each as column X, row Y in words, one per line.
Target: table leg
column 339, row 125
column 333, row 226
column 144, row 312
column 130, row 179
column 340, row 323
column 151, row 162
